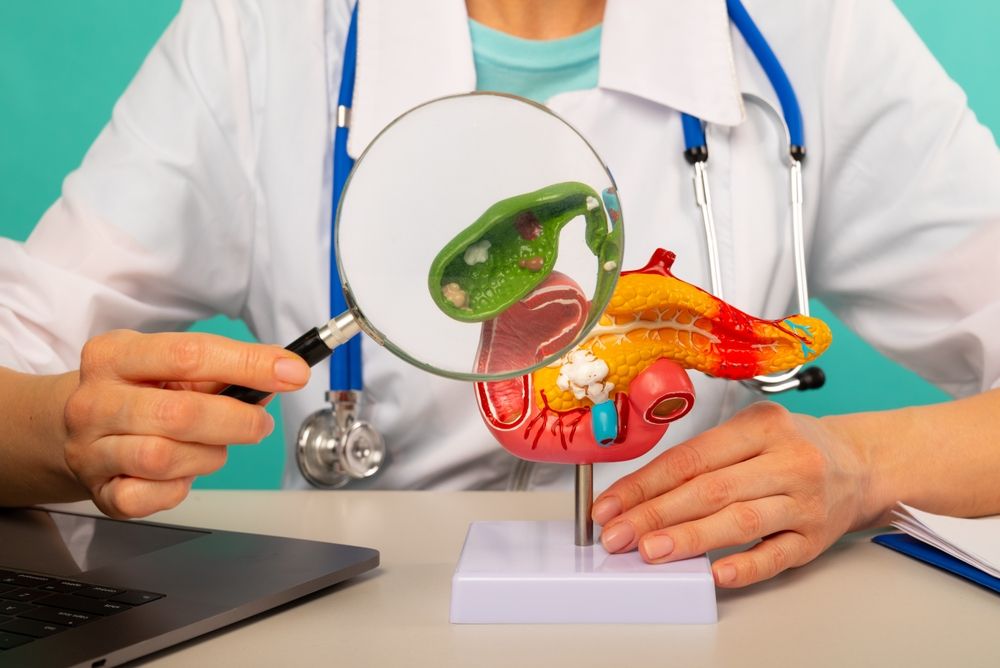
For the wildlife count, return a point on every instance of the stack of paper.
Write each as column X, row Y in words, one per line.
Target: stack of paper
column 974, row 541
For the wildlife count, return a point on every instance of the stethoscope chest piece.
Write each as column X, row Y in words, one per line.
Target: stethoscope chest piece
column 335, row 447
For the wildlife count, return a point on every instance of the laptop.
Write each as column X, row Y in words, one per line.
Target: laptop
column 78, row 590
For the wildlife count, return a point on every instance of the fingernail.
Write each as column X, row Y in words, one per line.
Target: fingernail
column 269, row 428
column 657, row 547
column 618, row 537
column 606, row 509
column 725, row 574
column 293, row 372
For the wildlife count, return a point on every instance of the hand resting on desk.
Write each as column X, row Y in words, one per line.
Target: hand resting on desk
column 798, row 483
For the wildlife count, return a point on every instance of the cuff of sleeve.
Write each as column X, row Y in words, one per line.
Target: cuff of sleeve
column 9, row 359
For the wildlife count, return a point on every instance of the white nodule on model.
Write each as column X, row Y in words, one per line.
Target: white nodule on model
column 610, row 265
column 583, row 374
column 477, row 252
column 592, row 203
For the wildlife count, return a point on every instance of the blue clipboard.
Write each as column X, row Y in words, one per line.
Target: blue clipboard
column 911, row 547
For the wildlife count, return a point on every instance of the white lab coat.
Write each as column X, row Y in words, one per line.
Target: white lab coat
column 209, row 192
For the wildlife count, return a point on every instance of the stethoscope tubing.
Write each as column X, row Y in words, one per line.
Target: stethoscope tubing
column 345, row 363
column 695, row 144
column 696, row 152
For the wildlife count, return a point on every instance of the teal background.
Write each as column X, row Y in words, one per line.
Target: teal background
column 64, row 62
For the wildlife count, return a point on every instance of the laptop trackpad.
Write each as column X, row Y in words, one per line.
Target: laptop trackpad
column 35, row 540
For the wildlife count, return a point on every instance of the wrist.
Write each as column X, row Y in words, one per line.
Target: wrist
column 56, row 392
column 868, row 437
column 33, row 439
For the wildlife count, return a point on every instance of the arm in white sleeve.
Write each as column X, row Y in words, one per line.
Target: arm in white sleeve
column 155, row 229
column 907, row 245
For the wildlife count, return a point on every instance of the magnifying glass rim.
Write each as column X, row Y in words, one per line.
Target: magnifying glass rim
column 366, row 325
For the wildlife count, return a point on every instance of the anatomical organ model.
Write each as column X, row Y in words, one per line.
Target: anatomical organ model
column 612, row 396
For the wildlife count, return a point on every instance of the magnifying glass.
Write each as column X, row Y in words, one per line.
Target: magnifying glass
column 461, row 209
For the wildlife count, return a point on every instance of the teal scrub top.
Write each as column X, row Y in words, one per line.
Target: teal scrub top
column 534, row 69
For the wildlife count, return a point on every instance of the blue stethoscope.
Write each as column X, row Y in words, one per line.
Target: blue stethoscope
column 335, row 446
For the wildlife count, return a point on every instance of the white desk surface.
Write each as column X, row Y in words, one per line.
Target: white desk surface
column 857, row 605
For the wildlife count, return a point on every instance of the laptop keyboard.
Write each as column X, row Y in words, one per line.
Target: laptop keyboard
column 36, row 606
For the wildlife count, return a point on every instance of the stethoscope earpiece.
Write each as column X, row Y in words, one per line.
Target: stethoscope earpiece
column 804, row 378
column 811, row 378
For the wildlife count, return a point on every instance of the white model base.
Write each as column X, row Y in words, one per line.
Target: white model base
column 532, row 573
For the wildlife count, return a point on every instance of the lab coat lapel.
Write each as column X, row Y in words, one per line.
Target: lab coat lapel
column 677, row 53
column 408, row 53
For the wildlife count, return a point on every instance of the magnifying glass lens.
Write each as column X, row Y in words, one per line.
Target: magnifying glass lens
column 479, row 237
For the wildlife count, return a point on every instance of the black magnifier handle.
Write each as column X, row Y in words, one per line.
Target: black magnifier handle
column 314, row 346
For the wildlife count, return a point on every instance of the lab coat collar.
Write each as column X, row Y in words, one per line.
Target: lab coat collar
column 676, row 53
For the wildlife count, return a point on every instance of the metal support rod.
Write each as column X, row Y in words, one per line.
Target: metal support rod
column 584, row 504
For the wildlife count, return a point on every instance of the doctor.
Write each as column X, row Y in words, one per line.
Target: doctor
column 210, row 192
